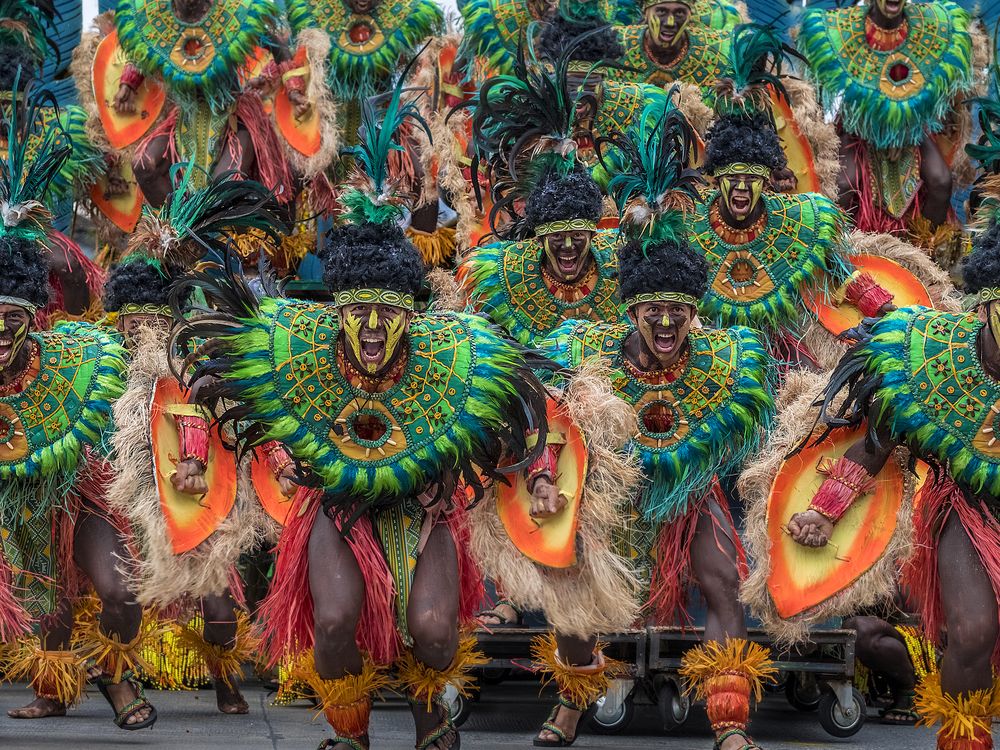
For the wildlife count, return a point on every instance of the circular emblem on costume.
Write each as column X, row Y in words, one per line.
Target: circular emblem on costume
column 368, row 433
column 194, row 51
column 361, row 35
column 987, row 439
column 900, row 78
column 13, row 442
column 742, row 277
column 662, row 424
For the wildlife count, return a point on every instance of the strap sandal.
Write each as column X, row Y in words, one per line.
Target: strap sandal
column 130, row 709
column 355, row 743
column 901, row 712
column 748, row 744
column 562, row 738
column 502, row 620
column 442, row 730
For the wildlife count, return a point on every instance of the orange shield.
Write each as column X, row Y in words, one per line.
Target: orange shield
column 122, row 130
column 906, row 289
column 190, row 519
column 125, row 209
column 303, row 134
column 803, row 577
column 796, row 146
column 273, row 500
column 548, row 541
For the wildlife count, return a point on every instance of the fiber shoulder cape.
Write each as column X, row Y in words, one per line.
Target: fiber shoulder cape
column 704, row 62
column 366, row 50
column 451, row 408
column 917, row 372
column 889, row 98
column 760, row 283
column 77, row 372
column 505, row 283
column 719, row 407
column 200, row 59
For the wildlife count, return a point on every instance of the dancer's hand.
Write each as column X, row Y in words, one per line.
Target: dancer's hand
column 124, row 102
column 286, row 481
column 300, row 103
column 189, row 477
column 810, row 529
column 545, row 498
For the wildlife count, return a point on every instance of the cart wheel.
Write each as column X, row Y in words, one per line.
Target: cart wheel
column 613, row 720
column 674, row 707
column 838, row 721
column 459, row 707
column 802, row 694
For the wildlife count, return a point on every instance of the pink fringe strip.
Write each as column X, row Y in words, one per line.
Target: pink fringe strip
column 920, row 575
column 14, row 620
column 272, row 166
column 871, row 215
column 671, row 577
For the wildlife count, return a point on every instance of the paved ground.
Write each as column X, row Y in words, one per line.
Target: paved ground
column 504, row 719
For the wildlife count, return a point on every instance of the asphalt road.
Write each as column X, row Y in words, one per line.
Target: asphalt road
column 505, row 718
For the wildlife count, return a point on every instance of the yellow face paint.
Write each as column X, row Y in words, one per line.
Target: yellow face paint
column 665, row 321
column 393, row 334
column 352, row 332
column 373, row 319
column 995, row 321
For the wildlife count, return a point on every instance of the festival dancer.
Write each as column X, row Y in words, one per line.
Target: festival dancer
column 703, row 399
column 892, row 69
column 58, row 533
column 389, row 409
column 187, row 555
column 194, row 60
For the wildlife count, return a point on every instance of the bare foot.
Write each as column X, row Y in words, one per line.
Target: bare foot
column 124, row 693
column 567, row 719
column 39, row 708
column 229, row 699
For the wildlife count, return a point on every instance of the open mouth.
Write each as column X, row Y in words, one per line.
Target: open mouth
column 668, row 35
column 6, row 350
column 372, row 349
column 740, row 204
column 567, row 262
column 664, row 341
column 892, row 7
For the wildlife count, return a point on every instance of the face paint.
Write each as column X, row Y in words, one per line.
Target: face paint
column 890, row 8
column 741, row 194
column 373, row 334
column 15, row 322
column 352, row 332
column 567, row 254
column 994, row 321
column 393, row 334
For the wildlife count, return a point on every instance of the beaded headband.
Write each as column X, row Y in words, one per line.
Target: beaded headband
column 19, row 302
column 147, row 309
column 739, row 167
column 373, row 296
column 686, row 299
column 566, row 225
column 982, row 297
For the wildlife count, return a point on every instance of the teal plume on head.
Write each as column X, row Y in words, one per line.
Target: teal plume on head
column 754, row 67
column 373, row 195
column 653, row 185
column 987, row 150
column 24, row 180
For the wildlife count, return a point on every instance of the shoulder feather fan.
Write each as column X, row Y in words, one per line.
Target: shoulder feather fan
column 25, row 22
column 653, row 186
column 754, row 65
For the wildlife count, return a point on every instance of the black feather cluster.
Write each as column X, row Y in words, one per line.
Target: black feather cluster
column 740, row 139
column 559, row 197
column 661, row 267
column 981, row 268
column 25, row 270
column 139, row 280
column 14, row 58
column 600, row 45
column 377, row 256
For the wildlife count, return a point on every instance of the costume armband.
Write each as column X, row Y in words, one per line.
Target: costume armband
column 193, row 431
column 845, row 482
column 864, row 293
column 277, row 457
column 131, row 76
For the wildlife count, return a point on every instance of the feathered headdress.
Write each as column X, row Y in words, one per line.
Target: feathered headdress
column 24, row 180
column 192, row 222
column 753, row 66
column 23, row 23
column 653, row 186
column 373, row 194
column 987, row 150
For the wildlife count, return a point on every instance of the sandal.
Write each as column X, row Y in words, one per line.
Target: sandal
column 445, row 728
column 901, row 712
column 562, row 739
column 129, row 709
column 353, row 743
column 503, row 621
column 748, row 744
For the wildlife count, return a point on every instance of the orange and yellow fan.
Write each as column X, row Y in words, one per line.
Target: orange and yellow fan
column 548, row 541
column 798, row 150
column 802, row 578
column 123, row 209
column 190, row 519
column 123, row 130
column 305, row 133
column 837, row 315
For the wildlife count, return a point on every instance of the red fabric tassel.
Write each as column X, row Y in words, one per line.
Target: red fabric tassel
column 14, row 620
column 845, row 482
column 871, row 216
column 193, row 433
column 866, row 295
column 169, row 128
column 672, row 574
column 376, row 634
column 920, row 575
column 272, row 166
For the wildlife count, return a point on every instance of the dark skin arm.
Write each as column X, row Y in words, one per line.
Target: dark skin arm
column 811, row 528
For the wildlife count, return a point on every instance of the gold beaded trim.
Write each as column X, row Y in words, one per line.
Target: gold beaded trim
column 565, row 225
column 148, row 309
column 373, row 296
column 739, row 167
column 686, row 299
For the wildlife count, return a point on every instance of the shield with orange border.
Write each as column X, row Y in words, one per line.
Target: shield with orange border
column 548, row 541
column 123, row 209
column 190, row 519
column 275, row 502
column 798, row 150
column 905, row 288
column 123, row 130
column 304, row 133
column 801, row 578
